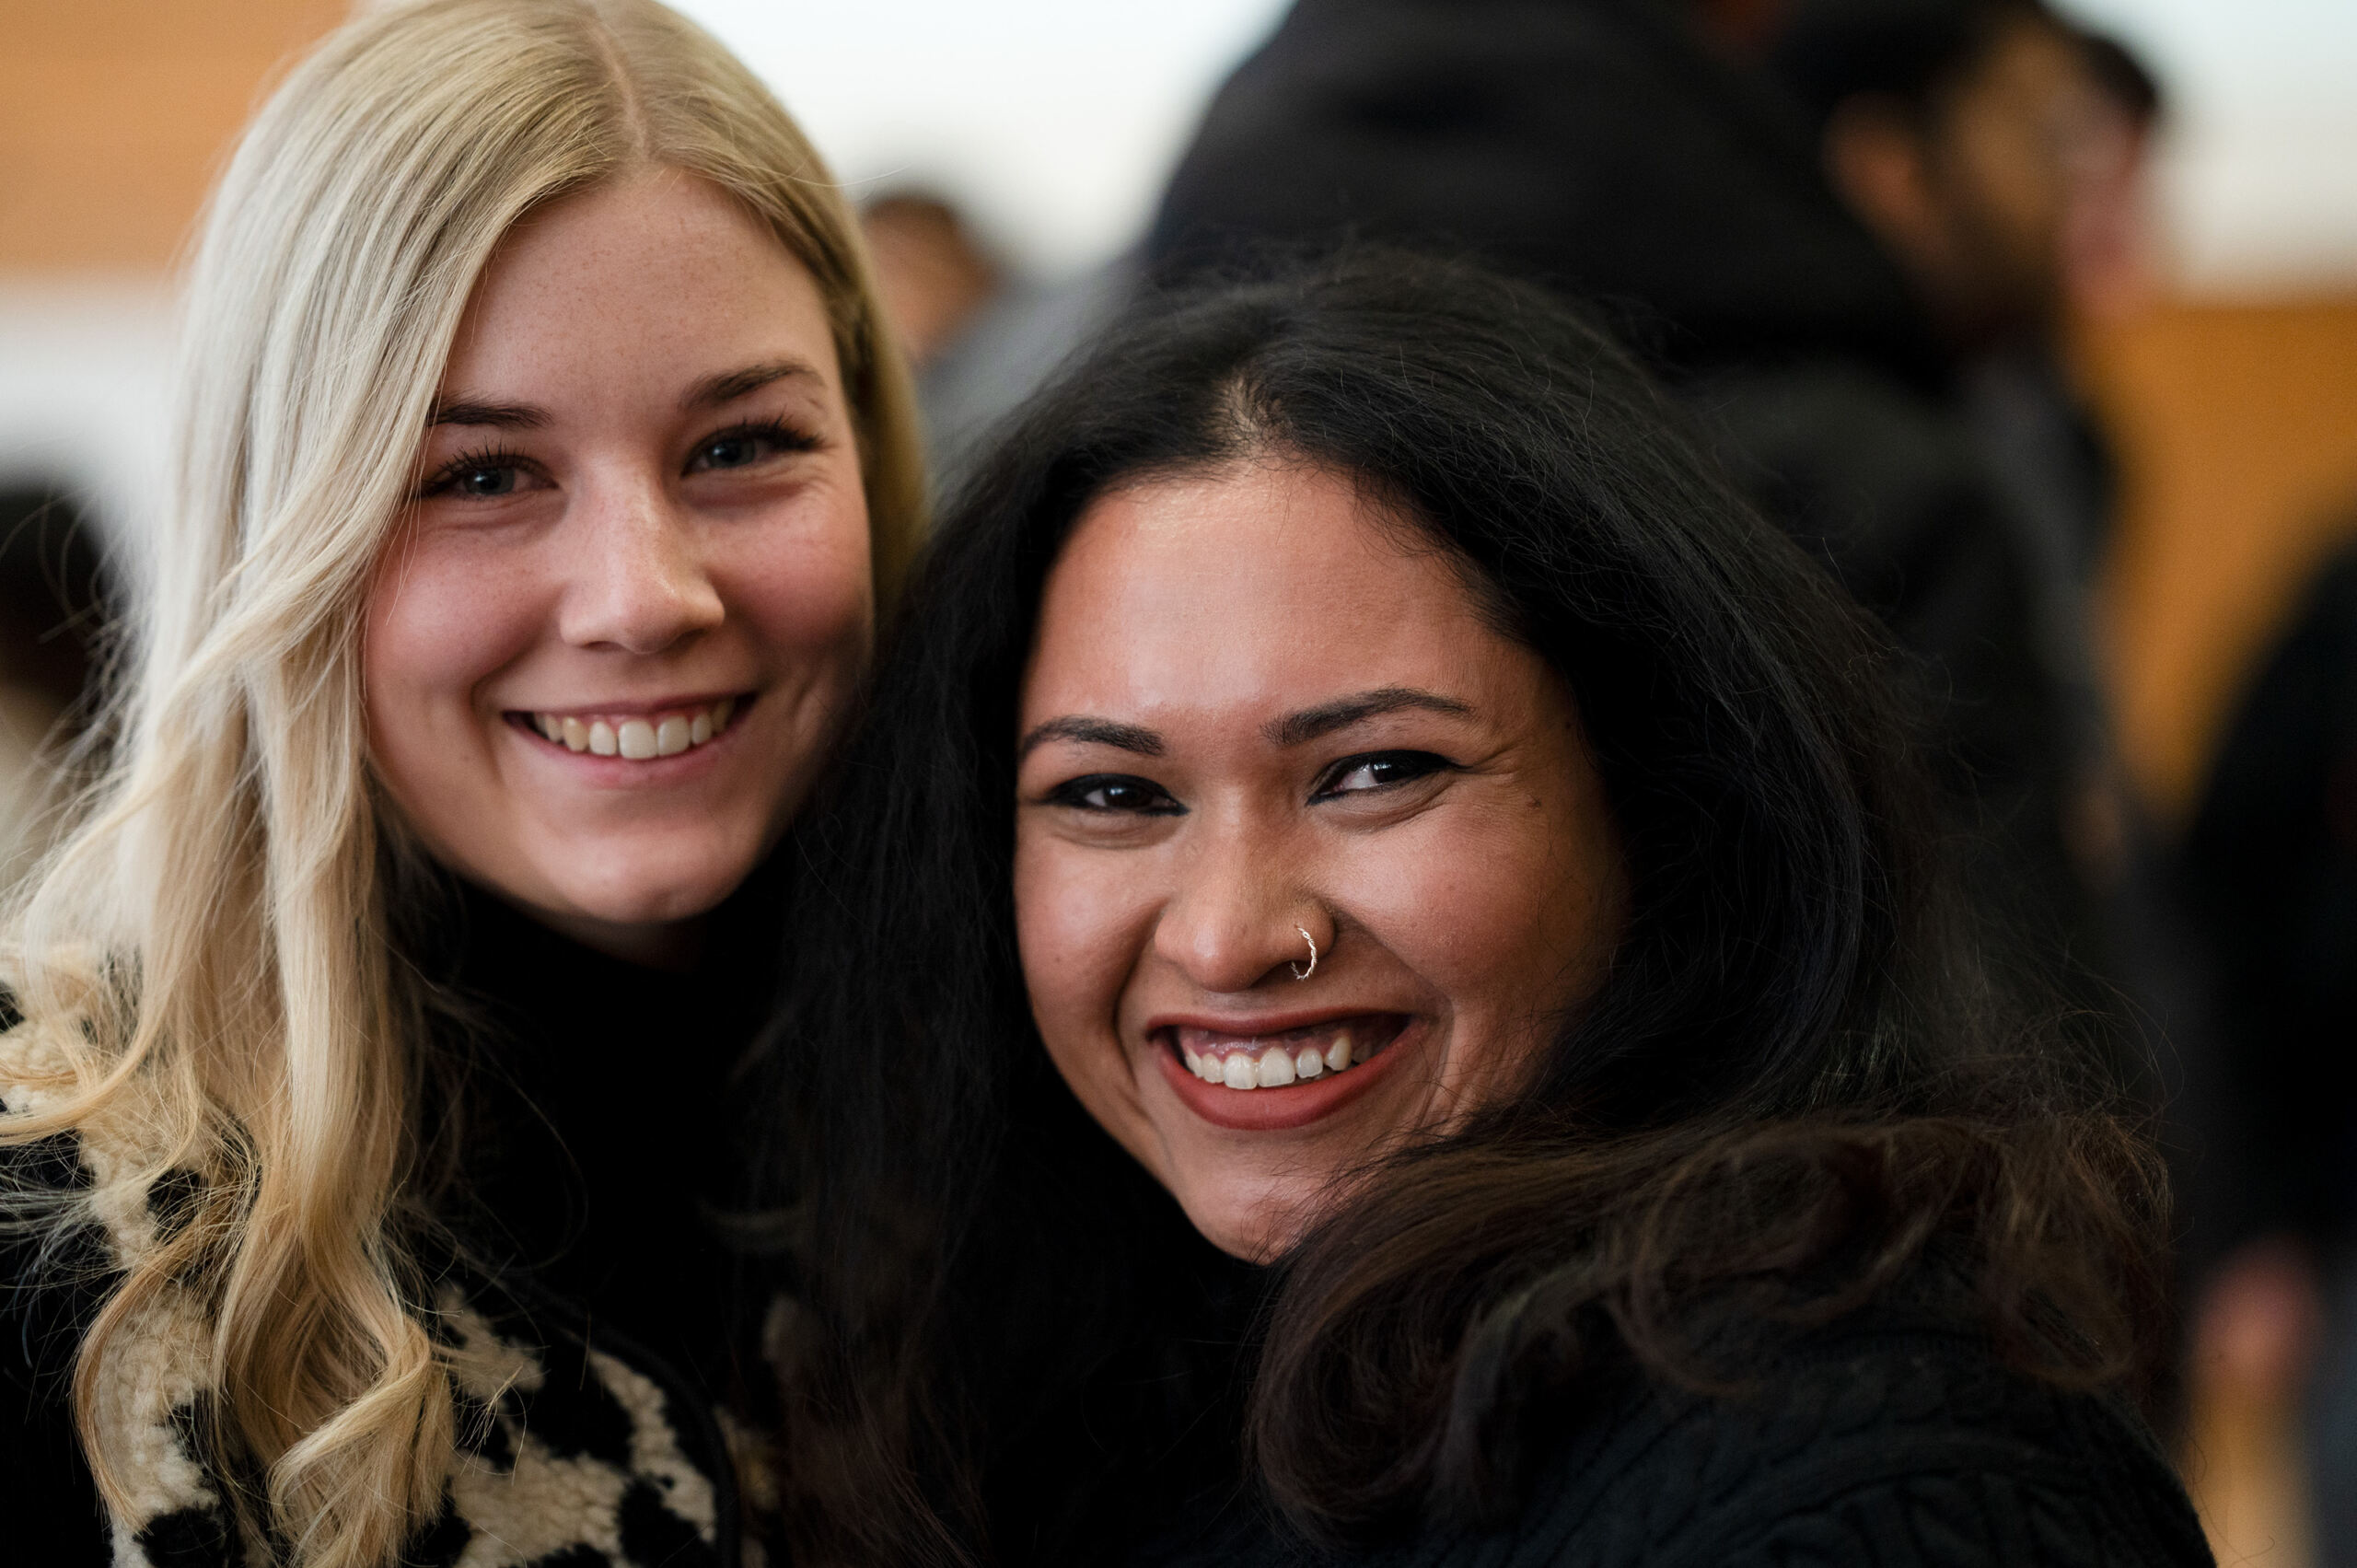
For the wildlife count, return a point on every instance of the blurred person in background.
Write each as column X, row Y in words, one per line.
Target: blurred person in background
column 1998, row 153
column 934, row 273
column 56, row 596
column 1640, row 155
column 2273, row 861
column 545, row 456
column 979, row 332
column 1997, row 163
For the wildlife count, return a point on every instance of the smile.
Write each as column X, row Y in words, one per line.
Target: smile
column 1280, row 1061
column 634, row 737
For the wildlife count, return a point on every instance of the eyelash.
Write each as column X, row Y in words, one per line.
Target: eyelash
column 476, row 460
column 1073, row 792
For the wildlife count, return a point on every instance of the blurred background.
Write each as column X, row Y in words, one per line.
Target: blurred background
column 1012, row 153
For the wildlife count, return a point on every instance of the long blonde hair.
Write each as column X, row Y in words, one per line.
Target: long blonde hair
column 207, row 955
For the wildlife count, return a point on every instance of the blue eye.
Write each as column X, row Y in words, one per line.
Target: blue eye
column 1115, row 792
column 747, row 444
column 479, row 476
column 498, row 480
column 1379, row 770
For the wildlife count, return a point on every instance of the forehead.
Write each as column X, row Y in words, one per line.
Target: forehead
column 657, row 265
column 1251, row 592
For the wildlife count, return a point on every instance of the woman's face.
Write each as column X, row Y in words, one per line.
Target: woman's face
column 1261, row 715
column 615, row 633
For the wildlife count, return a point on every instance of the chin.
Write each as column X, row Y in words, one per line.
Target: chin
column 1245, row 1221
column 660, row 889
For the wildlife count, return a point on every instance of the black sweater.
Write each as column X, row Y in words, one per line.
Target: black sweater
column 593, row 1159
column 1872, row 1445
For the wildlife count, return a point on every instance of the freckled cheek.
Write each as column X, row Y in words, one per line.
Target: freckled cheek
column 808, row 601
column 433, row 630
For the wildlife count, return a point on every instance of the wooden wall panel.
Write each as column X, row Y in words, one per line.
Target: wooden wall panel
column 114, row 115
column 2237, row 429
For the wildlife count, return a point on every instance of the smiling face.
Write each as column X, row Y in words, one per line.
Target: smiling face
column 614, row 634
column 1259, row 717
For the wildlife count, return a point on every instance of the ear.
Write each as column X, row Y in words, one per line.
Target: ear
column 1878, row 162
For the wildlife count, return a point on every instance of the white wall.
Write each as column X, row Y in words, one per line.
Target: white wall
column 2258, row 179
column 1056, row 119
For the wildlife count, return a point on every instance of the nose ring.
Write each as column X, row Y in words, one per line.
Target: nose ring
column 1299, row 971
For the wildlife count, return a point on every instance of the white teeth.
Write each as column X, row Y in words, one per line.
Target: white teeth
column 1249, row 1064
column 636, row 739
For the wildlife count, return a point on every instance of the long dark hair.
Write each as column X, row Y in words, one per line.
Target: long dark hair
column 1793, row 1091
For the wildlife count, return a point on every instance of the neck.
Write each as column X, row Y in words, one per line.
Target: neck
column 673, row 946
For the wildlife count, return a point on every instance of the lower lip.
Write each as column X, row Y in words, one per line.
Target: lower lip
column 1279, row 1110
column 622, row 771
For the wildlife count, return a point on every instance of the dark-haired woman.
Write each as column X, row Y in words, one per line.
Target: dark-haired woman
column 1355, row 791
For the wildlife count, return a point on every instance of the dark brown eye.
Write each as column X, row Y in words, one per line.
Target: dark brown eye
column 1115, row 792
column 1379, row 770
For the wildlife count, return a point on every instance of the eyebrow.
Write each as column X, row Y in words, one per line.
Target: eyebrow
column 730, row 385
column 1293, row 729
column 474, row 410
column 1299, row 729
column 710, row 392
column 1092, row 732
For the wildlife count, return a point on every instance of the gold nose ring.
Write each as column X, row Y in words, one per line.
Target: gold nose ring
column 1299, row 971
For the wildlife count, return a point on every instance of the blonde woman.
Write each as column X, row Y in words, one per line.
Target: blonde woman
column 541, row 461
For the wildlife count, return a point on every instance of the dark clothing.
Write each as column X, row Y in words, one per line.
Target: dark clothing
column 1870, row 1447
column 2271, row 862
column 1603, row 147
column 605, row 1154
column 1598, row 145
column 593, row 1153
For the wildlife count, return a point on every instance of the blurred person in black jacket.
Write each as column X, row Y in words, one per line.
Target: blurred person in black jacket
column 55, row 590
column 2272, row 859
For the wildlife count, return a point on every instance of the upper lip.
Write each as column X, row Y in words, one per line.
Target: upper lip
column 1265, row 1023
column 659, row 705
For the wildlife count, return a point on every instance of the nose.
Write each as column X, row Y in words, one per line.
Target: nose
column 636, row 576
column 1242, row 916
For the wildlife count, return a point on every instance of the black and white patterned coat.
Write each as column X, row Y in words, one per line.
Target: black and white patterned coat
column 577, row 1451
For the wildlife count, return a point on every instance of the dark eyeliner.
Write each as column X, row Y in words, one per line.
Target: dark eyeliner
column 1074, row 793
column 1426, row 764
